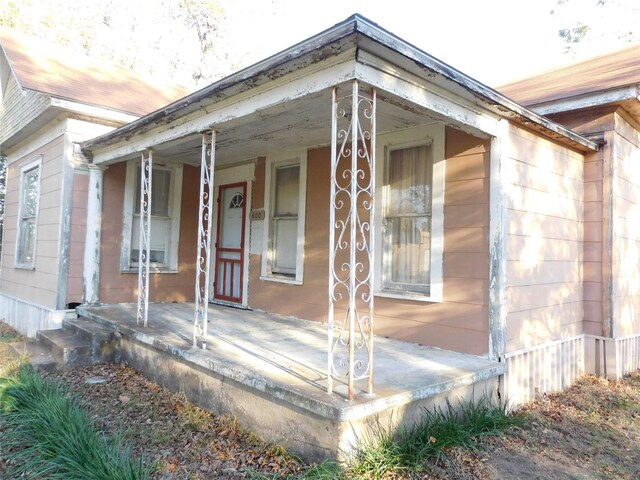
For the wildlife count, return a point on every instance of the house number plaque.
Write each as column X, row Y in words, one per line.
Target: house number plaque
column 257, row 214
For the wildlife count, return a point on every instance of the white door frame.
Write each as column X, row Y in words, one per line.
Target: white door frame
column 225, row 176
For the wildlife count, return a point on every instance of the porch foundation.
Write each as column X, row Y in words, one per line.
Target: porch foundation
column 268, row 372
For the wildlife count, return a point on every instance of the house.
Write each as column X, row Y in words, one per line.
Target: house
column 348, row 186
column 51, row 100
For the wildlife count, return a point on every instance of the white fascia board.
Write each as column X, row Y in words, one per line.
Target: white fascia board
column 287, row 88
column 53, row 130
column 451, row 110
column 93, row 111
column 587, row 100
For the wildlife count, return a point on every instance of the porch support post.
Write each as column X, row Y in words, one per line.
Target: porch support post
column 205, row 220
column 146, row 168
column 498, row 242
column 351, row 239
column 93, row 236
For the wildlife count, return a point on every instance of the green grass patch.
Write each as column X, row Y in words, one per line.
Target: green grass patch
column 387, row 454
column 45, row 434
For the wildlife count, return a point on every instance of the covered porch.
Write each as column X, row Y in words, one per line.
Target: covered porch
column 319, row 120
column 270, row 372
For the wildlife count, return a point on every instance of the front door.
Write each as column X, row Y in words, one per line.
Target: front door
column 229, row 246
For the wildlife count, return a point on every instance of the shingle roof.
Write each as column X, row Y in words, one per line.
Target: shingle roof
column 67, row 74
column 613, row 70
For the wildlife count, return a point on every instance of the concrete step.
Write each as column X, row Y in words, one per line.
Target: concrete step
column 40, row 357
column 67, row 347
column 103, row 340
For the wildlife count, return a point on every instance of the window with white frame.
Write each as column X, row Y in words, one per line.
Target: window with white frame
column 166, row 193
column 28, row 217
column 410, row 193
column 285, row 193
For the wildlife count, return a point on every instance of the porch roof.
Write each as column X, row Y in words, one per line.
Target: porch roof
column 287, row 358
column 282, row 85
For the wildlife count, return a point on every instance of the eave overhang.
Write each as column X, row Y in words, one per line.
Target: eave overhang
column 339, row 48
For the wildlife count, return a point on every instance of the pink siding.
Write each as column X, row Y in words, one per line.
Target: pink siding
column 117, row 287
column 41, row 284
column 625, row 256
column 544, row 242
column 460, row 322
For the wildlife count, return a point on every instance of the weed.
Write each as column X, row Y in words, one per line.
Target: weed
column 194, row 417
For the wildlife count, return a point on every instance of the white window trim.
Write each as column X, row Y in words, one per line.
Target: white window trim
column 278, row 160
column 175, row 197
column 433, row 134
column 33, row 164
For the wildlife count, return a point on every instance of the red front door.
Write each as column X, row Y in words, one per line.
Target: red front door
column 229, row 267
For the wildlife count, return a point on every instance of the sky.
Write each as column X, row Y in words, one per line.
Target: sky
column 493, row 41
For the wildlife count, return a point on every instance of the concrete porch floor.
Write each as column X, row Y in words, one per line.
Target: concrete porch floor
column 270, row 372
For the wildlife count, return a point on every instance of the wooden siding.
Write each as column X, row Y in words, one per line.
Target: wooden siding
column 117, row 287
column 460, row 322
column 592, row 245
column 19, row 108
column 625, row 249
column 40, row 285
column 544, row 241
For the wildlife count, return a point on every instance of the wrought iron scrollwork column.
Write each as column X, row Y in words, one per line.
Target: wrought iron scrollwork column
column 351, row 242
column 146, row 166
column 205, row 219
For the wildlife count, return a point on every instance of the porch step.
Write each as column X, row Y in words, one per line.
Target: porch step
column 69, row 348
column 103, row 340
column 40, row 357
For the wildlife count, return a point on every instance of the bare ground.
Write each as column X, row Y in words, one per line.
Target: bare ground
column 592, row 431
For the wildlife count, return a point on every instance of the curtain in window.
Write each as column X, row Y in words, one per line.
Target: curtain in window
column 408, row 218
column 285, row 219
column 160, row 220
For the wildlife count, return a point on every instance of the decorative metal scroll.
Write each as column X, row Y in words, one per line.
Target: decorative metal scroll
column 350, row 327
column 205, row 219
column 146, row 166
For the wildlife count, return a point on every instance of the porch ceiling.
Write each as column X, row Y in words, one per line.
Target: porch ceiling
column 302, row 122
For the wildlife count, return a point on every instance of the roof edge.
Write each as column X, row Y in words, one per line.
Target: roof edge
column 352, row 25
column 334, row 33
column 490, row 95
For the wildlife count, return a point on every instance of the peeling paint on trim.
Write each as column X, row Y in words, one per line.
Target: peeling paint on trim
column 64, row 231
column 498, row 242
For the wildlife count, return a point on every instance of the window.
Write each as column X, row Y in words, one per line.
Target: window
column 410, row 191
column 28, row 217
column 166, row 192
column 407, row 222
column 285, row 180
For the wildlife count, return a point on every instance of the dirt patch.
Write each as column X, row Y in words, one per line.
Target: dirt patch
column 591, row 431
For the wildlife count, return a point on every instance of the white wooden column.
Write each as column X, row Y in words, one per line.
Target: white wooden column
column 498, row 192
column 93, row 236
column 203, row 254
column 146, row 169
